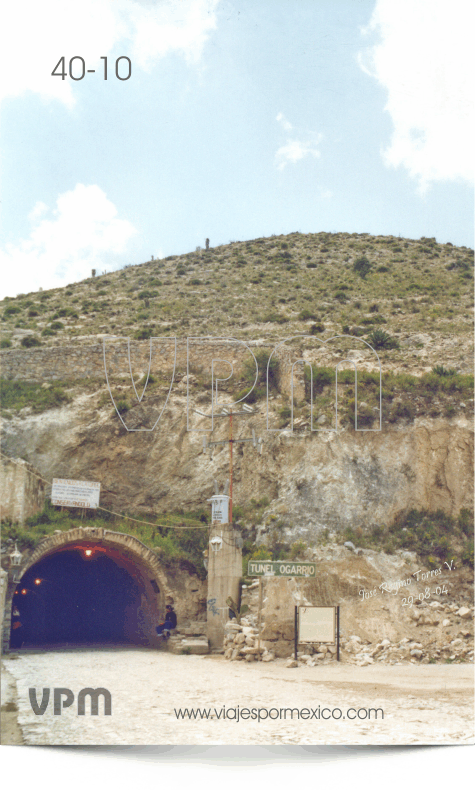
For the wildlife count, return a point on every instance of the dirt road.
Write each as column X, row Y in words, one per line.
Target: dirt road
column 421, row 703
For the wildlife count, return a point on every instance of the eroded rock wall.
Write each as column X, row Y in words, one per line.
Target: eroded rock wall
column 317, row 481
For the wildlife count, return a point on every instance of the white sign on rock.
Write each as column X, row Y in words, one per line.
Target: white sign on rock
column 75, row 494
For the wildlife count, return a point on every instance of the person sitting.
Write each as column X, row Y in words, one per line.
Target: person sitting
column 17, row 636
column 170, row 622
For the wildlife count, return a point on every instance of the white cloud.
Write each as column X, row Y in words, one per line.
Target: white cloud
column 36, row 34
column 175, row 25
column 295, row 150
column 424, row 61
column 283, row 121
column 77, row 236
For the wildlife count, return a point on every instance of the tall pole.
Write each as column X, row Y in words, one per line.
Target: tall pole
column 296, row 631
column 259, row 656
column 230, row 441
column 230, row 468
column 338, row 633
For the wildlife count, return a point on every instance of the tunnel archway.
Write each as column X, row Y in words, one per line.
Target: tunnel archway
column 88, row 586
column 70, row 597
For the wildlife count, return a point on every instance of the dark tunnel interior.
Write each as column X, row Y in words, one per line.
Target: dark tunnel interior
column 70, row 597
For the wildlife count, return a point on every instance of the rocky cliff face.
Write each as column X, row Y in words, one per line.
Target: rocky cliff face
column 317, row 481
column 378, row 620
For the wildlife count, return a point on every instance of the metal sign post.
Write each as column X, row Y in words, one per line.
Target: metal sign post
column 338, row 633
column 280, row 568
column 296, row 630
column 259, row 625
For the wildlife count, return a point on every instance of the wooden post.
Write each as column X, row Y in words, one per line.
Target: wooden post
column 338, row 633
column 259, row 608
column 296, row 630
column 230, row 517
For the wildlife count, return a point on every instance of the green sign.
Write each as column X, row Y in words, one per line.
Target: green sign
column 280, row 568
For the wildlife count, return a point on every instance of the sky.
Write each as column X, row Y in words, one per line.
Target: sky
column 240, row 119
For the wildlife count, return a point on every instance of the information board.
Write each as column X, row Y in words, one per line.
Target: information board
column 317, row 624
column 220, row 508
column 75, row 494
column 280, row 568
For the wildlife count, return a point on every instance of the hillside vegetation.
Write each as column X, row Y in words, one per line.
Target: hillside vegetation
column 411, row 299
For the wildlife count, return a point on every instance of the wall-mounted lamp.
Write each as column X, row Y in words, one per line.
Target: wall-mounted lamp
column 216, row 543
column 15, row 558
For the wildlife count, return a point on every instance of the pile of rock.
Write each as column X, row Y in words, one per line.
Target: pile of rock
column 241, row 643
column 361, row 652
column 313, row 655
column 433, row 613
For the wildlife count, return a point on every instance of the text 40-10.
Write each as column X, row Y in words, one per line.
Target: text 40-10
column 77, row 68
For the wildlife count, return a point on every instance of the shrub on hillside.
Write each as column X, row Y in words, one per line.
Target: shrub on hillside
column 315, row 329
column 379, row 339
column 439, row 370
column 364, row 417
column 122, row 406
column 16, row 395
column 144, row 334
column 307, row 315
column 249, row 374
column 147, row 294
column 277, row 318
column 341, row 296
column 362, row 266
column 29, row 341
column 322, row 376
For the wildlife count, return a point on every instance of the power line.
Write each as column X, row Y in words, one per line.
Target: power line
column 114, row 513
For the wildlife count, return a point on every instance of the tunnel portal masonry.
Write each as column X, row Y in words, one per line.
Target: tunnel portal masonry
column 152, row 588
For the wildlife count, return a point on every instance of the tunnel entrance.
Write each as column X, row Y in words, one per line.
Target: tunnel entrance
column 85, row 594
column 71, row 598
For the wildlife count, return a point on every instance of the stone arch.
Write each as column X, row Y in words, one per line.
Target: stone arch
column 125, row 550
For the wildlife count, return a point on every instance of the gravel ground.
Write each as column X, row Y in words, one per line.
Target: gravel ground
column 422, row 704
